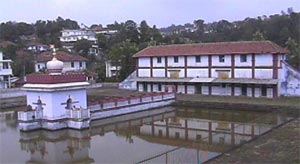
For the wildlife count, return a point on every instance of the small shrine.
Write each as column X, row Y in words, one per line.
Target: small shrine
column 55, row 100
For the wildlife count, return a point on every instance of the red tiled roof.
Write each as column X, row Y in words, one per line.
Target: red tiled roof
column 5, row 44
column 241, row 47
column 60, row 55
column 22, row 53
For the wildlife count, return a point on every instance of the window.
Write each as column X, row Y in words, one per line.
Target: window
column 221, row 58
column 198, row 59
column 72, row 64
column 244, row 90
column 243, row 58
column 159, row 87
column 198, row 137
column 158, row 59
column 263, row 90
column 175, row 59
column 5, row 65
column 80, row 64
column 223, row 85
column 160, row 133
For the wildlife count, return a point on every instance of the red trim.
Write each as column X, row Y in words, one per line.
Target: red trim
column 54, row 79
column 209, row 66
column 185, row 66
column 275, row 91
column 232, row 65
column 253, row 90
column 151, row 66
column 275, row 66
column 253, row 66
column 166, row 66
column 137, row 67
column 232, row 90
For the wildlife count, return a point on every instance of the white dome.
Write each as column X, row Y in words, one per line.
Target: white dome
column 55, row 66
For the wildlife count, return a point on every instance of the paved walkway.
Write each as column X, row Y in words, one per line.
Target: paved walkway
column 281, row 145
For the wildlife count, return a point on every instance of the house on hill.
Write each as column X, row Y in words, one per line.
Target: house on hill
column 5, row 72
column 72, row 62
column 247, row 68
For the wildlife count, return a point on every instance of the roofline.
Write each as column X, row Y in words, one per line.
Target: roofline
column 274, row 45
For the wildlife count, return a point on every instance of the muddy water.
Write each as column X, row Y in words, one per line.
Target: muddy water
column 165, row 135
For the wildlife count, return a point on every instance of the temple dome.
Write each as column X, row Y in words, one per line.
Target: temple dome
column 55, row 66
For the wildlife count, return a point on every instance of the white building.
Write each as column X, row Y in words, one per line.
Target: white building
column 71, row 62
column 59, row 99
column 69, row 37
column 75, row 35
column 248, row 68
column 112, row 68
column 5, row 72
column 37, row 47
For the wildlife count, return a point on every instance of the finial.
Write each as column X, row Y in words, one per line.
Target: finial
column 52, row 46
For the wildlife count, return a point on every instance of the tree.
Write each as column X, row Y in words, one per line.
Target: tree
column 145, row 32
column 294, row 53
column 122, row 54
column 258, row 36
column 82, row 47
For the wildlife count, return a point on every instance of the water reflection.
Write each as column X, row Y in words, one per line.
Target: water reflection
column 165, row 135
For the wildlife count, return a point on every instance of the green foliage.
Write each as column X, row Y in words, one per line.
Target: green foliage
column 294, row 53
column 82, row 47
column 121, row 54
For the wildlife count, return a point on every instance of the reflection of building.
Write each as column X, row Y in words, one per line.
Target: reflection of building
column 5, row 72
column 210, row 132
column 251, row 68
column 67, row 146
column 141, row 136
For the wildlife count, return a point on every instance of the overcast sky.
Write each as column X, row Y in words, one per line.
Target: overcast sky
column 161, row 13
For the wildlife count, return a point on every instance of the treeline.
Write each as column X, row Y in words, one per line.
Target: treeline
column 131, row 37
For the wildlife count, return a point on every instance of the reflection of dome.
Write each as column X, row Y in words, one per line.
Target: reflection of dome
column 55, row 66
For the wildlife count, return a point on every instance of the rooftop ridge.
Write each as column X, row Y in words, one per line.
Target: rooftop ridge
column 210, row 48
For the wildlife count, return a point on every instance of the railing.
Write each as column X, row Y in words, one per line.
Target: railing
column 78, row 113
column 11, row 92
column 109, row 104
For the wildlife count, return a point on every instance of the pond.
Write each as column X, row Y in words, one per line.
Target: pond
column 163, row 135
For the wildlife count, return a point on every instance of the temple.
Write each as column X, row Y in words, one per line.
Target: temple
column 59, row 99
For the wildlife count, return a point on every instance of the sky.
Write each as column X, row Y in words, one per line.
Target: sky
column 161, row 13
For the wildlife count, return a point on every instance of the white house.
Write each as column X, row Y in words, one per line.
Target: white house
column 72, row 62
column 112, row 68
column 78, row 34
column 37, row 47
column 248, row 68
column 5, row 72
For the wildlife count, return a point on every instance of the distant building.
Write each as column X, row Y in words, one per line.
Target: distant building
column 75, row 35
column 104, row 30
column 71, row 62
column 245, row 68
column 37, row 47
column 69, row 37
column 112, row 68
column 5, row 72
